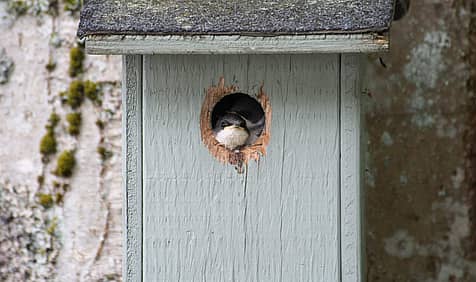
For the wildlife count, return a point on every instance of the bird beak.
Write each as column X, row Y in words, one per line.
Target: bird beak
column 232, row 127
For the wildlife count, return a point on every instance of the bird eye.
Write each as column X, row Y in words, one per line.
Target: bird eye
column 224, row 124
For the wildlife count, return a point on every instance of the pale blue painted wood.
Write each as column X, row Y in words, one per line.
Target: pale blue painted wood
column 132, row 166
column 351, row 194
column 280, row 221
column 294, row 194
column 236, row 44
column 193, row 206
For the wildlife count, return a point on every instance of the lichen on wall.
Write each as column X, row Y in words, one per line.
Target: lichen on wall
column 29, row 246
column 426, row 62
column 417, row 206
column 58, row 196
column 6, row 67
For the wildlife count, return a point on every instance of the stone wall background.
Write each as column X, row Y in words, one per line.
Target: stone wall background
column 62, row 228
column 420, row 115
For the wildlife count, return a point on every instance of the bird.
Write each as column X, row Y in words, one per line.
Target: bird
column 237, row 120
column 231, row 131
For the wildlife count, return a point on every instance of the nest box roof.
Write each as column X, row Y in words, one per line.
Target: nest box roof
column 234, row 17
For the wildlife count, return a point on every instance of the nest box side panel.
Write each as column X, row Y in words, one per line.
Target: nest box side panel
column 279, row 221
column 132, row 166
column 351, row 195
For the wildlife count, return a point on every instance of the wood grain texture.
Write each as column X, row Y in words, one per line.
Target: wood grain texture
column 234, row 17
column 235, row 44
column 277, row 222
column 351, row 195
column 132, row 167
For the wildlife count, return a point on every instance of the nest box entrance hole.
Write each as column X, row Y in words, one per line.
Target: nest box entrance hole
column 235, row 126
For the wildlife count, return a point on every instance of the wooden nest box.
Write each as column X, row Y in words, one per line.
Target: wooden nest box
column 294, row 213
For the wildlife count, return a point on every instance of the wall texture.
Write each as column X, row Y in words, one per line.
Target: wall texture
column 52, row 226
column 420, row 164
column 420, row 116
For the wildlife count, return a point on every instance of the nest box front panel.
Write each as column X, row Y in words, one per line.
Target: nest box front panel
column 277, row 221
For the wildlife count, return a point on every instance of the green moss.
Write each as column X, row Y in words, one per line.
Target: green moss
column 54, row 119
column 74, row 123
column 109, row 112
column 59, row 198
column 63, row 96
column 17, row 7
column 91, row 91
column 40, row 179
column 45, row 200
column 104, row 153
column 76, row 58
column 72, row 5
column 41, row 251
column 65, row 164
column 52, row 227
column 100, row 124
column 112, row 277
column 48, row 143
column 53, row 7
column 50, row 66
column 75, row 94
column 56, row 184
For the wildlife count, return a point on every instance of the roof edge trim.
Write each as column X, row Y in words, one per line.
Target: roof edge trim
column 236, row 44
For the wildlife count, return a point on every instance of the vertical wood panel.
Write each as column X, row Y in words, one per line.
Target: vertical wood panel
column 351, row 198
column 263, row 221
column 311, row 169
column 293, row 193
column 193, row 221
column 277, row 222
column 132, row 166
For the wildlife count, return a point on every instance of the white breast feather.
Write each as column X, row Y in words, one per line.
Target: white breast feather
column 232, row 137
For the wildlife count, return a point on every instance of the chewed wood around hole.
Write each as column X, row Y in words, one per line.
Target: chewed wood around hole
column 214, row 106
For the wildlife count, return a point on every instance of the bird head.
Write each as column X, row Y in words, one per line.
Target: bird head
column 230, row 120
column 230, row 130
